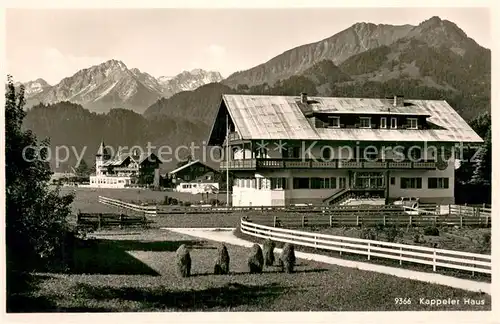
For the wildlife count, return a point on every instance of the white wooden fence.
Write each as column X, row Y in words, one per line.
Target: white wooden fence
column 473, row 262
column 146, row 210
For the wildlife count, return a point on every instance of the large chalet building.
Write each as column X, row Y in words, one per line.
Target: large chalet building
column 124, row 169
column 286, row 150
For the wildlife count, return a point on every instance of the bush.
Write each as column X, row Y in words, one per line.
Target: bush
column 167, row 200
column 431, row 231
column 391, row 233
column 186, row 204
column 367, row 234
column 268, row 250
column 174, row 201
column 183, row 261
column 222, row 262
column 255, row 259
column 486, row 240
column 417, row 238
column 215, row 202
column 287, row 258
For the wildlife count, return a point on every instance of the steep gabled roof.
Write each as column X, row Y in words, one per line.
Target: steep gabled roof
column 187, row 165
column 264, row 117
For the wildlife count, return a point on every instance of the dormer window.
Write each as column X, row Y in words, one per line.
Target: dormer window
column 383, row 122
column 365, row 122
column 333, row 121
column 394, row 122
column 412, row 123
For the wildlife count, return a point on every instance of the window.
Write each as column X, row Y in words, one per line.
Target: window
column 278, row 183
column 333, row 183
column 394, row 122
column 293, row 152
column 438, row 183
column 365, row 122
column 186, row 177
column 415, row 153
column 333, row 122
column 327, row 153
column 301, row 183
column 383, row 122
column 322, row 183
column 412, row 123
column 342, row 182
column 411, row 183
column 393, row 181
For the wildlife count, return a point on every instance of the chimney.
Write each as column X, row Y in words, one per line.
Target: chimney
column 303, row 97
column 398, row 101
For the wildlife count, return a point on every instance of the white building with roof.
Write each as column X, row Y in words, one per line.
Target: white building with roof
column 123, row 169
column 322, row 150
column 195, row 177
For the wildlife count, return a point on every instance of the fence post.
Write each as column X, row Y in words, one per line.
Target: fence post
column 331, row 221
column 99, row 221
column 487, row 220
column 341, row 247
column 460, row 210
column 449, row 209
column 434, row 260
column 368, row 250
column 274, row 221
column 411, row 220
column 384, row 225
column 78, row 217
column 434, row 221
column 473, row 265
column 121, row 220
column 461, row 222
column 315, row 241
column 400, row 255
column 357, row 220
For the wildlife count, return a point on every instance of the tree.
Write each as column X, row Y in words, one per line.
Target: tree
column 188, row 159
column 36, row 217
column 482, row 169
column 83, row 170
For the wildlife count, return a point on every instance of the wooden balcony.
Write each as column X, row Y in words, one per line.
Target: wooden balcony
column 253, row 164
column 249, row 164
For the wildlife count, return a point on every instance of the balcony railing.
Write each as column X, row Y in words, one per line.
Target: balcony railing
column 252, row 164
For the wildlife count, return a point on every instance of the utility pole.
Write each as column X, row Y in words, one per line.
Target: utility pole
column 227, row 160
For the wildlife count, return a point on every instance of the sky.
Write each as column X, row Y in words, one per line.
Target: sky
column 56, row 43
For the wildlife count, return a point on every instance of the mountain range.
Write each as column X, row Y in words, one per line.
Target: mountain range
column 113, row 85
column 433, row 60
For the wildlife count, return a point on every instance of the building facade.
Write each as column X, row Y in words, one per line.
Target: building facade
column 195, row 177
column 124, row 169
column 286, row 150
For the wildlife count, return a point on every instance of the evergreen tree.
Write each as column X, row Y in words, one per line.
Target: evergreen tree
column 482, row 170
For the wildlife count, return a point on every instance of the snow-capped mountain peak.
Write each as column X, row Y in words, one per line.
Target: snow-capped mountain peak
column 112, row 84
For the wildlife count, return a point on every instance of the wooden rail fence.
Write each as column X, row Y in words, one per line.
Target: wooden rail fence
column 367, row 219
column 100, row 220
column 423, row 209
column 473, row 262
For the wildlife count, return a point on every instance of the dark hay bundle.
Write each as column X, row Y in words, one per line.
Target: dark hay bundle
column 183, row 259
column 268, row 250
column 256, row 259
column 222, row 262
column 287, row 258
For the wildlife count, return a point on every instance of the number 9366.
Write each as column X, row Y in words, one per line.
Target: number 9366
column 402, row 301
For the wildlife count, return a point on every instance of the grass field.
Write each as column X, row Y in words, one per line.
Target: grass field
column 86, row 199
column 450, row 238
column 134, row 271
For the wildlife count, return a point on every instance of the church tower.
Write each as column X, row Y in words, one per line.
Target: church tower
column 101, row 157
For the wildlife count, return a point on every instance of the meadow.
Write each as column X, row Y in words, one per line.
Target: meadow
column 135, row 271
